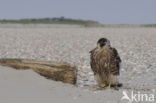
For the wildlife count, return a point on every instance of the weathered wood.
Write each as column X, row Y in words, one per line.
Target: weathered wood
column 58, row 71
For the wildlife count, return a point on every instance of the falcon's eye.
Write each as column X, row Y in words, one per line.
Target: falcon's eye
column 102, row 43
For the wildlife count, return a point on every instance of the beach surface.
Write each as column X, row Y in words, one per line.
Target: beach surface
column 136, row 47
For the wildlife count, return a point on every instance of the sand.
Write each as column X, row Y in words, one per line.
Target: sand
column 29, row 87
column 136, row 46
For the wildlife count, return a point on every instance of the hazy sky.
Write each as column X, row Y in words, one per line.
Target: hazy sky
column 104, row 11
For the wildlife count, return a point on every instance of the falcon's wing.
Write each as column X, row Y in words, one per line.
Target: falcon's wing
column 93, row 60
column 117, row 58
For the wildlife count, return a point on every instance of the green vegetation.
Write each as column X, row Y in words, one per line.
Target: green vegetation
column 129, row 25
column 63, row 20
column 60, row 20
column 148, row 25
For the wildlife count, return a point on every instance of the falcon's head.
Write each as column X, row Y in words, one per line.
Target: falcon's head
column 103, row 42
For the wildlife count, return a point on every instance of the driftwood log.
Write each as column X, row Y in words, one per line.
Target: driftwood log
column 58, row 71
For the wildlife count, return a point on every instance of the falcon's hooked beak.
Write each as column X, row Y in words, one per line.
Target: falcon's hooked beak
column 108, row 43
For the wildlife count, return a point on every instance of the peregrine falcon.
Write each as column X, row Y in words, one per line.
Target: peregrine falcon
column 105, row 63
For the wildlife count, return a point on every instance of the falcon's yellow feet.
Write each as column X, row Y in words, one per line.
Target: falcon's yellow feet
column 109, row 86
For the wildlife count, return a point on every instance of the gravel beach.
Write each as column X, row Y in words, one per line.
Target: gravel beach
column 136, row 47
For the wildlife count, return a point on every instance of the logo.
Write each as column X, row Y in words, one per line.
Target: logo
column 137, row 97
